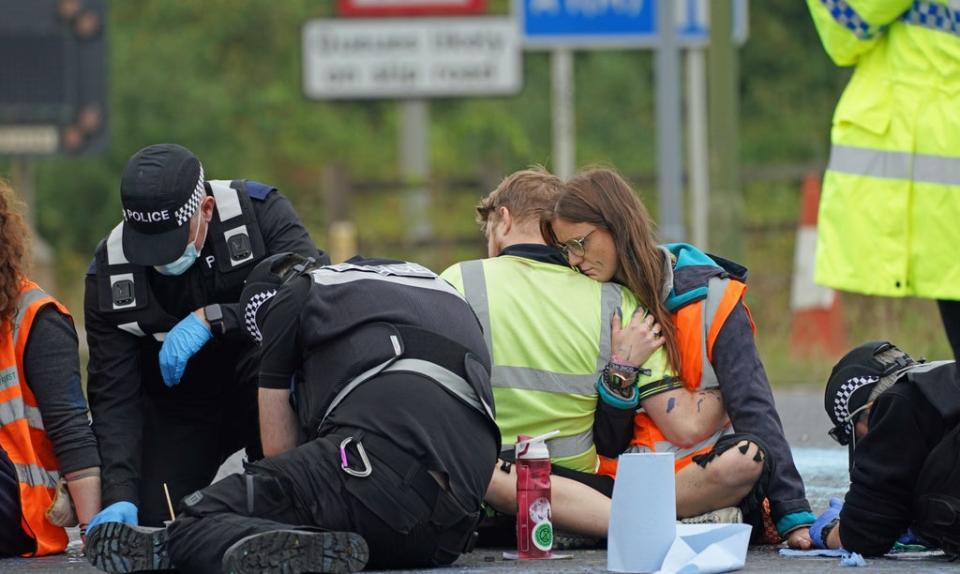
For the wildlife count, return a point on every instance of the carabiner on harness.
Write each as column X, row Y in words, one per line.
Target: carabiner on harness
column 345, row 464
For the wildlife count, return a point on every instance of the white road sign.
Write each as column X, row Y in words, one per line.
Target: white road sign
column 411, row 57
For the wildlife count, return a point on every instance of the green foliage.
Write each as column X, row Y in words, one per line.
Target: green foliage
column 223, row 77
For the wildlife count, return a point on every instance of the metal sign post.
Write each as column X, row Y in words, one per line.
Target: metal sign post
column 564, row 132
column 669, row 177
column 664, row 25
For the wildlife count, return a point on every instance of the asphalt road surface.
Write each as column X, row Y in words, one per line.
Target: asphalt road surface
column 822, row 464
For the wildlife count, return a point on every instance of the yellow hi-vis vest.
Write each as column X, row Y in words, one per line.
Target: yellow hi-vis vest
column 548, row 330
column 889, row 212
column 22, row 434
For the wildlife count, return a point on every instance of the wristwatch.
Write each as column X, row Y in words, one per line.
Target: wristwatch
column 214, row 316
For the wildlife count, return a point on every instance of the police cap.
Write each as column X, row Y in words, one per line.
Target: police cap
column 161, row 189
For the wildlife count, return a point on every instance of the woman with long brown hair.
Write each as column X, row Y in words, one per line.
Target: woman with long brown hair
column 49, row 464
column 606, row 232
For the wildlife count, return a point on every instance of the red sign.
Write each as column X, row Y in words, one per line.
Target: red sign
column 410, row 7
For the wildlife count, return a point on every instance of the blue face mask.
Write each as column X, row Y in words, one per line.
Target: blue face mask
column 178, row 267
column 185, row 261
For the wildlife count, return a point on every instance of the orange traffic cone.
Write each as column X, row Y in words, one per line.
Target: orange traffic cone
column 817, row 322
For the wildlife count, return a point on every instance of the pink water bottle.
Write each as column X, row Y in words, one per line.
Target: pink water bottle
column 534, row 517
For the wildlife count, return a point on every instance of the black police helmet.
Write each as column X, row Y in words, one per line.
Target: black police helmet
column 263, row 283
column 852, row 380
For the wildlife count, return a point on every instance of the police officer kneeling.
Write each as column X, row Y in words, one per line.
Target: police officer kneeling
column 394, row 418
column 901, row 420
column 172, row 378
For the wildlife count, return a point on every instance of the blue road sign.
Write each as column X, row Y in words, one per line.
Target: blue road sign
column 616, row 23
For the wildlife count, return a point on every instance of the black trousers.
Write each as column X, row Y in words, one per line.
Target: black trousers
column 305, row 488
column 191, row 429
column 13, row 540
column 950, row 313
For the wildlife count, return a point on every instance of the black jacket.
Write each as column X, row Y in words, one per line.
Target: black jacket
column 120, row 361
column 904, row 427
column 345, row 321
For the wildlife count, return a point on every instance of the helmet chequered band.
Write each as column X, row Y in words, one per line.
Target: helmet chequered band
column 186, row 211
column 841, row 403
column 250, row 312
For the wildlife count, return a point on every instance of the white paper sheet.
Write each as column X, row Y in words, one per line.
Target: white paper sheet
column 707, row 549
column 643, row 513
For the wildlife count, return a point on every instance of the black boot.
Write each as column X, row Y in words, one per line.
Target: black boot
column 121, row 548
column 296, row 551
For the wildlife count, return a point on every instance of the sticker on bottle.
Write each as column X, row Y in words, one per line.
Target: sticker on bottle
column 540, row 510
column 542, row 536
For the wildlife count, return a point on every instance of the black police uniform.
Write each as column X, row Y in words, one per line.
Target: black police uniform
column 383, row 354
column 906, row 469
column 150, row 434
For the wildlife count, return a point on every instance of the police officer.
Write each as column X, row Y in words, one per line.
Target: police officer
column 901, row 421
column 393, row 400
column 172, row 379
column 889, row 202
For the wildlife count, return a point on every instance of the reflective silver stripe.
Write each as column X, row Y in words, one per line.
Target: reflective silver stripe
column 15, row 409
column 32, row 414
column 572, row 445
column 324, row 276
column 540, row 380
column 895, row 165
column 36, row 476
column 475, row 292
column 26, row 299
column 664, row 446
column 440, row 375
column 609, row 301
column 446, row 379
column 132, row 328
column 716, row 287
column 11, row 410
column 356, row 382
column 228, row 202
column 115, row 254
column 9, row 378
column 924, row 367
column 939, row 17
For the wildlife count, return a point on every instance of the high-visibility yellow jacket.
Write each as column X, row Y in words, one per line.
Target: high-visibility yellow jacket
column 548, row 330
column 22, row 434
column 889, row 221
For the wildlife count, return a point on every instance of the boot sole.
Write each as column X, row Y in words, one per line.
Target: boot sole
column 296, row 552
column 120, row 548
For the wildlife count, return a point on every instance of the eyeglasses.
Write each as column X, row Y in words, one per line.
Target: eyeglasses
column 576, row 246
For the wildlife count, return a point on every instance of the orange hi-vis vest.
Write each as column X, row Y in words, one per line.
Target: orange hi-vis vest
column 698, row 323
column 22, row 435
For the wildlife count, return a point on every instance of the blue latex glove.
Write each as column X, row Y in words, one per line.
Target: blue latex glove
column 181, row 343
column 908, row 538
column 829, row 515
column 123, row 511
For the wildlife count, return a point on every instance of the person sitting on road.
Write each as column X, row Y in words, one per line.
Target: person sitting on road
column 606, row 233
column 901, row 422
column 49, row 464
column 551, row 332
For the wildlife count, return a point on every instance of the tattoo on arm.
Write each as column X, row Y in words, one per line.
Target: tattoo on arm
column 700, row 402
column 671, row 403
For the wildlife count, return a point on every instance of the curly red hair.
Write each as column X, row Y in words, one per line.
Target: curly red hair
column 14, row 239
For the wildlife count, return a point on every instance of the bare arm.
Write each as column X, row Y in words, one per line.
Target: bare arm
column 278, row 422
column 84, row 487
column 685, row 417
